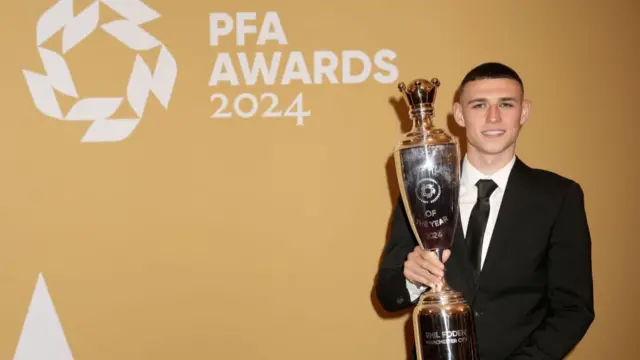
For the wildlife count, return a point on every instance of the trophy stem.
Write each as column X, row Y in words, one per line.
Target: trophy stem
column 444, row 287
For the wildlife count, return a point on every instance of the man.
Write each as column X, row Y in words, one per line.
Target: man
column 522, row 258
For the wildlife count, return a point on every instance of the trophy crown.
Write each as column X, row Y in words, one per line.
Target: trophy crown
column 420, row 93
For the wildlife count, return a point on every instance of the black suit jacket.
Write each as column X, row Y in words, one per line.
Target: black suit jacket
column 534, row 297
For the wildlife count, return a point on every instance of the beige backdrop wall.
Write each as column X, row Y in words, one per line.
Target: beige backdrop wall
column 255, row 238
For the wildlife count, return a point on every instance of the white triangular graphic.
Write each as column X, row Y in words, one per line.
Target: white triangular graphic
column 42, row 336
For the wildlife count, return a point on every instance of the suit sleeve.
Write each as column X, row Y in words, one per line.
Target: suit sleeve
column 391, row 285
column 570, row 284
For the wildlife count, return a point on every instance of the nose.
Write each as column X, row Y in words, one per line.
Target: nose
column 494, row 114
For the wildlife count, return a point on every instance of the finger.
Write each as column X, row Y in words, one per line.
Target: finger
column 415, row 254
column 431, row 256
column 430, row 261
column 423, row 278
column 418, row 263
column 446, row 255
column 423, row 273
column 415, row 278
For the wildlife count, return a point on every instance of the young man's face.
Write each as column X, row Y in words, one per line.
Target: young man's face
column 492, row 112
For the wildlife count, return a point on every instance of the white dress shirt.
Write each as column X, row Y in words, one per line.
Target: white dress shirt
column 467, row 199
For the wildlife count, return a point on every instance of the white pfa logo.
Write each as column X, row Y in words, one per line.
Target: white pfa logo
column 98, row 110
column 428, row 190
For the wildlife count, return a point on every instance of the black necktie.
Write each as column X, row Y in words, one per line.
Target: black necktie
column 478, row 223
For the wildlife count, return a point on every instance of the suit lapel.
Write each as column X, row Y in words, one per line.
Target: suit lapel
column 511, row 213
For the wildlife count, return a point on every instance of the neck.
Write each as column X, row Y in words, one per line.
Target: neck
column 489, row 163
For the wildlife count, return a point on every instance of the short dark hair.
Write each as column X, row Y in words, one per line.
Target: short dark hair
column 491, row 70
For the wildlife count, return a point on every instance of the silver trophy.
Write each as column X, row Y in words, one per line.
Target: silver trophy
column 427, row 162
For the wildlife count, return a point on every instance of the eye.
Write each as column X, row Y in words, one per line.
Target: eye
column 477, row 106
column 506, row 105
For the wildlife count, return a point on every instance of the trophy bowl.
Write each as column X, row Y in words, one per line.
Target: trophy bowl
column 427, row 162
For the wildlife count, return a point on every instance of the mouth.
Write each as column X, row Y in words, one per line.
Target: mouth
column 493, row 132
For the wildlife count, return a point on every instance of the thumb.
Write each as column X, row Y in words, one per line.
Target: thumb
column 445, row 255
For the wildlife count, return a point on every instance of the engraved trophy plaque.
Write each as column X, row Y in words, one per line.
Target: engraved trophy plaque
column 427, row 164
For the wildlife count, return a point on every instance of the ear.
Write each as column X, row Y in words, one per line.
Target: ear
column 526, row 111
column 457, row 114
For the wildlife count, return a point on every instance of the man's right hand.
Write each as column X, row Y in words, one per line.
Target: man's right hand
column 422, row 267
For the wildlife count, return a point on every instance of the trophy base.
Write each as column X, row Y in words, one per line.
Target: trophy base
column 444, row 327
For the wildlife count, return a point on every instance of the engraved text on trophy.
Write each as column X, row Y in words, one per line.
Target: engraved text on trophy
column 447, row 336
column 431, row 187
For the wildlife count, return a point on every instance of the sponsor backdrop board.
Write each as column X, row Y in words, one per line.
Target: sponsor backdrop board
column 211, row 179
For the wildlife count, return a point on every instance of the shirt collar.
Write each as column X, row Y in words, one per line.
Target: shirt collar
column 471, row 175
